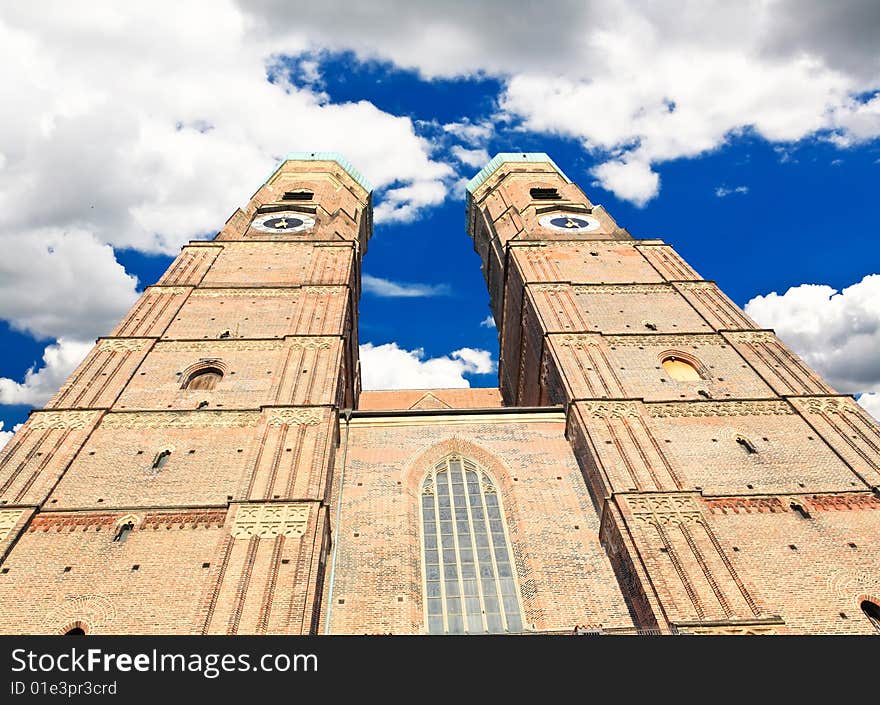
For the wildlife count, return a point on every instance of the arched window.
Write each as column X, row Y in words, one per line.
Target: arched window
column 204, row 378
column 746, row 445
column 470, row 582
column 872, row 612
column 76, row 631
column 161, row 459
column 680, row 370
column 123, row 531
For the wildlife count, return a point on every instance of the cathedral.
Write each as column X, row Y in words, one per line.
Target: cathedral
column 652, row 461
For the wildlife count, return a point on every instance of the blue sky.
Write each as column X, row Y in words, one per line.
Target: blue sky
column 757, row 158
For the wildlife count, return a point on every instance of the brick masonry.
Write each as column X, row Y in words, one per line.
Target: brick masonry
column 272, row 497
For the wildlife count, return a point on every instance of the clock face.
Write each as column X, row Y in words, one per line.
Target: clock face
column 570, row 222
column 282, row 223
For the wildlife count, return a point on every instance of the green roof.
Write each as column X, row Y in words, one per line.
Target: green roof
column 505, row 157
column 325, row 157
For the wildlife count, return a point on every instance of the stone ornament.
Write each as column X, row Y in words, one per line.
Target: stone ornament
column 41, row 420
column 293, row 417
column 8, row 519
column 268, row 521
column 610, row 409
column 666, row 341
column 243, row 293
column 719, row 408
column 124, row 344
column 178, row 419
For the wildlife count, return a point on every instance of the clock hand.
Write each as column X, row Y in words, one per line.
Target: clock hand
column 281, row 223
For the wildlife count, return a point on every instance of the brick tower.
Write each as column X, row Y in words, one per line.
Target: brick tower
column 737, row 491
column 653, row 461
column 178, row 481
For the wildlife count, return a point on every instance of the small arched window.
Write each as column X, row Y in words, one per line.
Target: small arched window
column 746, row 445
column 206, row 378
column 872, row 611
column 123, row 531
column 470, row 582
column 75, row 631
column 161, row 460
column 680, row 370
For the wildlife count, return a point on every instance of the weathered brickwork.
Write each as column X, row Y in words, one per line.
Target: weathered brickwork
column 281, row 263
column 563, row 574
column 293, row 370
column 179, row 481
column 651, row 462
column 153, row 312
column 99, row 379
column 678, row 407
column 190, row 266
column 614, row 309
column 596, row 366
column 66, row 571
column 782, row 369
column 814, row 571
column 39, row 454
column 263, row 313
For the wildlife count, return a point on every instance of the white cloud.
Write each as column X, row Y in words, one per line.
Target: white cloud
column 469, row 132
column 127, row 122
column 871, row 403
column 487, row 322
column 631, row 180
column 722, row 191
column 837, row 333
column 145, row 127
column 59, row 360
column 629, row 77
column 471, row 157
column 390, row 289
column 388, row 366
column 6, row 436
column 57, row 284
column 404, row 204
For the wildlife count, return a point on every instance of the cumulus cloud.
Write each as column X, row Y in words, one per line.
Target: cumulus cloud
column 723, row 191
column 471, row 157
column 143, row 127
column 631, row 180
column 6, row 436
column 836, row 332
column 391, row 289
column 473, row 133
column 388, row 366
column 658, row 80
column 871, row 403
column 405, row 203
column 62, row 284
column 127, row 122
column 59, row 360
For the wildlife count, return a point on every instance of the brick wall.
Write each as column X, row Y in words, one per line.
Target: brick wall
column 564, row 576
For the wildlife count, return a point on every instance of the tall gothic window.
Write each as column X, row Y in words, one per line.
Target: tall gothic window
column 470, row 583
